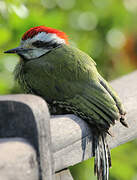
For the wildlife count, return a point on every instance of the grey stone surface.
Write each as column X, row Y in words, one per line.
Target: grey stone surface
column 18, row 160
column 27, row 116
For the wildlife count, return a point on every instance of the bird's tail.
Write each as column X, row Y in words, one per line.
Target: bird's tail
column 102, row 160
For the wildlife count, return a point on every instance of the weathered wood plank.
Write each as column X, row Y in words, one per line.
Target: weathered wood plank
column 71, row 135
column 27, row 116
column 18, row 160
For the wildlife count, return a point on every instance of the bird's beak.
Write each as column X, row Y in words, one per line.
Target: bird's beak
column 17, row 50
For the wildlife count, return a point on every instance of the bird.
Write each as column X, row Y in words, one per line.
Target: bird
column 68, row 79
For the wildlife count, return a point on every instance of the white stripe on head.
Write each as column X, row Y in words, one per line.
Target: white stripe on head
column 43, row 36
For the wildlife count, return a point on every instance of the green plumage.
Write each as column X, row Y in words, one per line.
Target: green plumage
column 68, row 80
column 67, row 77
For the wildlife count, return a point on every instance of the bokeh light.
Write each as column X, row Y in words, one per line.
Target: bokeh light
column 21, row 10
column 87, row 21
column 50, row 4
column 66, row 5
column 131, row 5
column 115, row 38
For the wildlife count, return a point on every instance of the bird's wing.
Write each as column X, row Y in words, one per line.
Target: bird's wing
column 112, row 92
column 96, row 105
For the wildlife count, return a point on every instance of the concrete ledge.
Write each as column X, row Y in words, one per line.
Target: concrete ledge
column 18, row 160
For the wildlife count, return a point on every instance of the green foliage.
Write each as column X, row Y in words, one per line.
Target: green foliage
column 83, row 171
column 124, row 168
column 101, row 28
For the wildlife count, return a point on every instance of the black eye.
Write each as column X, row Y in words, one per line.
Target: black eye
column 47, row 45
column 38, row 44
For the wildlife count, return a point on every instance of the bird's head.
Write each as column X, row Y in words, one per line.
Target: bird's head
column 38, row 41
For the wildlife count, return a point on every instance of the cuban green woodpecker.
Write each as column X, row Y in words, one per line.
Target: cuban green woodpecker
column 68, row 80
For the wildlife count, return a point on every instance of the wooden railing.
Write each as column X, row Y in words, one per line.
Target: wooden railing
column 34, row 145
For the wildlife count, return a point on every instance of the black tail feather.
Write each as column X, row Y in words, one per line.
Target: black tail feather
column 102, row 157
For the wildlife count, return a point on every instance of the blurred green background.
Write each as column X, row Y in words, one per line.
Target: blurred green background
column 105, row 29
